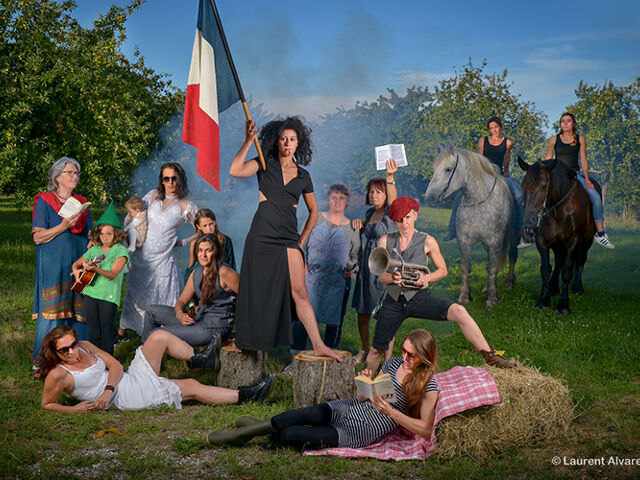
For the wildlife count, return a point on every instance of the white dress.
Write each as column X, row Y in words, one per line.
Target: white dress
column 153, row 277
column 139, row 388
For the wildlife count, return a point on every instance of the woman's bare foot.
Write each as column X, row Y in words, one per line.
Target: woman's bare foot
column 324, row 351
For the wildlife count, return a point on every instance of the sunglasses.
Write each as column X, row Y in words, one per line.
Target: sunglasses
column 173, row 179
column 66, row 350
column 410, row 355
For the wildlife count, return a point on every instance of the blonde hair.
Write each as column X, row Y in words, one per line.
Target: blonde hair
column 135, row 203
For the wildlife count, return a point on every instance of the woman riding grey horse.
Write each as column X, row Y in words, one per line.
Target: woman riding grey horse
column 486, row 213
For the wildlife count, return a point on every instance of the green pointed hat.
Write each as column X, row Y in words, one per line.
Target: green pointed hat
column 109, row 217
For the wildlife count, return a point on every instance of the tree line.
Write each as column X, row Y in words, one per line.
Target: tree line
column 69, row 90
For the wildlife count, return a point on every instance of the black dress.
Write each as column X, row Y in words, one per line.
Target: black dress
column 265, row 308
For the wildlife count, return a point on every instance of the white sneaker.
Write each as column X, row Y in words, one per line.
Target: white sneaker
column 524, row 244
column 604, row 241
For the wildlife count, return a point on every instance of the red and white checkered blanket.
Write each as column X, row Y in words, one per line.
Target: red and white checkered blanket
column 461, row 388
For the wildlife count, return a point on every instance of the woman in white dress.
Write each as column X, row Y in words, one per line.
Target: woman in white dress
column 154, row 278
column 97, row 379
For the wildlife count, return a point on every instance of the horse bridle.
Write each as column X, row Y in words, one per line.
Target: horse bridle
column 452, row 174
column 495, row 180
column 543, row 210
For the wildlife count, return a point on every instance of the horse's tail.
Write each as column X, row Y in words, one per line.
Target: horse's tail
column 502, row 258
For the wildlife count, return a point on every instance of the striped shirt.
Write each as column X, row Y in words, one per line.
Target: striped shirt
column 359, row 424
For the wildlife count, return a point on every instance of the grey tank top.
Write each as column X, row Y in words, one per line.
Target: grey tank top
column 413, row 254
column 220, row 313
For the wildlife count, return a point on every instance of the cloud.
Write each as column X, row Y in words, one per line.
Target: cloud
column 277, row 60
column 557, row 60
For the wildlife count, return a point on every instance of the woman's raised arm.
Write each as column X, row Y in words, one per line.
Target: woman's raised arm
column 240, row 168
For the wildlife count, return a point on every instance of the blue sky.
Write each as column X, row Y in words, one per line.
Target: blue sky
column 310, row 57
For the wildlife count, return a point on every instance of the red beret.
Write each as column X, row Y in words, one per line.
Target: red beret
column 401, row 207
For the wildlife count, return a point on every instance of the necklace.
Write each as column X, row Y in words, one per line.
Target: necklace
column 60, row 197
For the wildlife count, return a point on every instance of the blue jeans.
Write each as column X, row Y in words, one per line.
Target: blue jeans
column 44, row 326
column 596, row 201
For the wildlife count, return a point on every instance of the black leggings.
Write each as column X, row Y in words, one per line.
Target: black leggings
column 306, row 427
column 101, row 316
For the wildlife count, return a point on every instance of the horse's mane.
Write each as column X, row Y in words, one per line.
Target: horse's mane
column 478, row 164
column 561, row 175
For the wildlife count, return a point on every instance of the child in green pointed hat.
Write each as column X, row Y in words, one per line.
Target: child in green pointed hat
column 98, row 275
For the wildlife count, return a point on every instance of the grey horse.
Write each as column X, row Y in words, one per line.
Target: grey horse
column 486, row 213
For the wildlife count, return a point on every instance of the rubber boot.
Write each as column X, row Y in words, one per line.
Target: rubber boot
column 241, row 435
column 244, row 420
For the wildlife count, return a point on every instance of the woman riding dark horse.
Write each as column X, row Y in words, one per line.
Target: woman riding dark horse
column 558, row 210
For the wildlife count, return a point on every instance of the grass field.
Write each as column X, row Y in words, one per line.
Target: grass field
column 595, row 350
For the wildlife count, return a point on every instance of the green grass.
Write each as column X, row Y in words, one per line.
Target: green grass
column 595, row 350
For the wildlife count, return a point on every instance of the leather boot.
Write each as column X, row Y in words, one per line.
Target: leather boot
column 496, row 359
column 241, row 435
column 208, row 358
column 244, row 420
column 257, row 391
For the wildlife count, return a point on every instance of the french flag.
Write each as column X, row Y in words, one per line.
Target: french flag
column 211, row 89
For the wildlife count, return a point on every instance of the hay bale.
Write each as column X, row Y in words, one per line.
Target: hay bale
column 534, row 407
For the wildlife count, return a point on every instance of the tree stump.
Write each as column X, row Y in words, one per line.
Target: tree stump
column 322, row 379
column 239, row 369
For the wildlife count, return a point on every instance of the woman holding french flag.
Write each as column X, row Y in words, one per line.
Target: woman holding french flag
column 273, row 272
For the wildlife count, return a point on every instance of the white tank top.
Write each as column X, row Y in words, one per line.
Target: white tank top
column 90, row 382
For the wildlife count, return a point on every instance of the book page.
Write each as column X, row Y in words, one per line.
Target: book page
column 383, row 386
column 385, row 152
column 363, row 384
column 71, row 207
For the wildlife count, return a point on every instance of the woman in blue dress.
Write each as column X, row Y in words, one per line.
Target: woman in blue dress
column 332, row 258
column 59, row 242
column 368, row 291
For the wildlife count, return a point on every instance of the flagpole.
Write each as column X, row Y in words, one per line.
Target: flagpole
column 236, row 79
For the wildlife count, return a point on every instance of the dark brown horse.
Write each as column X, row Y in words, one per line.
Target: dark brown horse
column 558, row 209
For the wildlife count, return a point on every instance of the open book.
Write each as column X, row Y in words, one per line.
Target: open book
column 382, row 385
column 393, row 150
column 71, row 207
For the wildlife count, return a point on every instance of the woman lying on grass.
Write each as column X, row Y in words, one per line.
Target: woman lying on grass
column 97, row 379
column 357, row 422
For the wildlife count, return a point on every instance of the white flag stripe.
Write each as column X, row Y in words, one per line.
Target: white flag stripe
column 203, row 72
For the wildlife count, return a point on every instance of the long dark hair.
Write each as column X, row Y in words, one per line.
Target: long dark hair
column 271, row 132
column 182, row 188
column 416, row 382
column 49, row 359
column 208, row 284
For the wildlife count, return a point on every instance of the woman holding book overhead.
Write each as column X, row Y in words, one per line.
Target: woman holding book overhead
column 357, row 422
column 381, row 192
column 59, row 240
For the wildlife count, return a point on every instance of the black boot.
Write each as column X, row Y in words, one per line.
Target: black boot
column 241, row 435
column 208, row 358
column 257, row 391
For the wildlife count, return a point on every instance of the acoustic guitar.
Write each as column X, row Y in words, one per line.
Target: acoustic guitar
column 86, row 277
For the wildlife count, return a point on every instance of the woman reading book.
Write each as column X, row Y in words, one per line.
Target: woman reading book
column 357, row 422
column 59, row 240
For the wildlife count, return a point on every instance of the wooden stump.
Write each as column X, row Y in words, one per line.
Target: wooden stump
column 239, row 369
column 321, row 379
